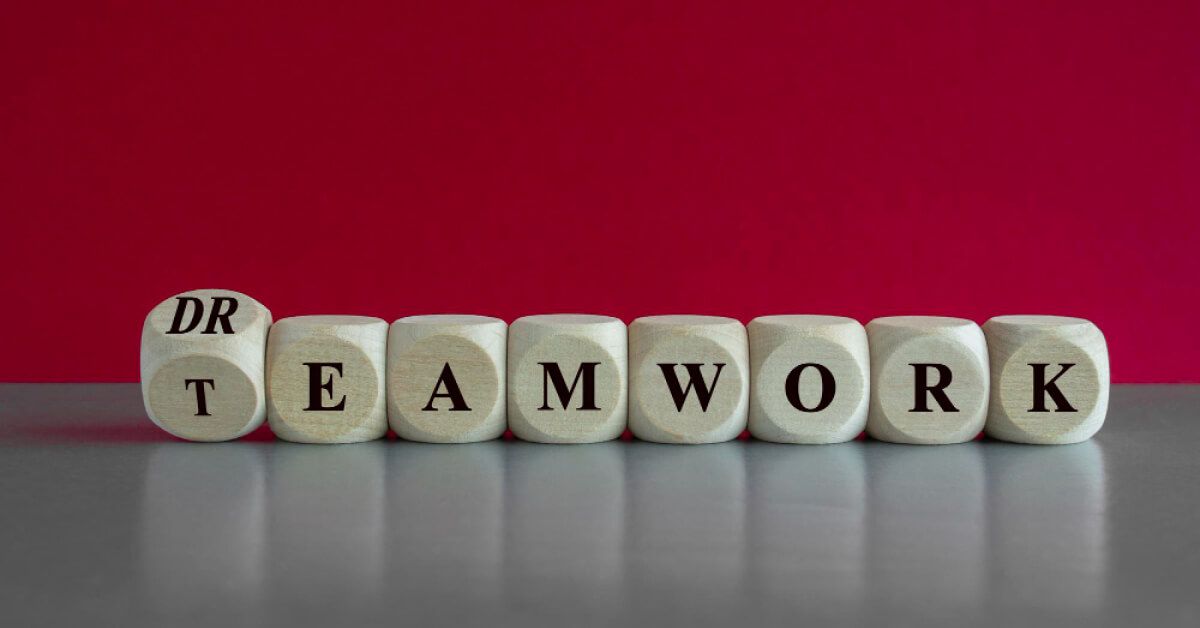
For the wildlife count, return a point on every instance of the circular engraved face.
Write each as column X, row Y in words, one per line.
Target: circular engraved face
column 781, row 381
column 569, row 385
column 912, row 374
column 445, row 385
column 323, row 387
column 203, row 314
column 1043, row 395
column 672, row 395
column 205, row 398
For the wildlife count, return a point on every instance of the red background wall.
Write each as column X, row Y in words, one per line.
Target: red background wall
column 866, row 159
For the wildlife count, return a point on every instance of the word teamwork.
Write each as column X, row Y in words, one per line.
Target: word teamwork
column 214, row 367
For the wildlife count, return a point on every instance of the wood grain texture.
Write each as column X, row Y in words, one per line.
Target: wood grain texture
column 352, row 406
column 899, row 413
column 568, row 343
column 232, row 402
column 1034, row 358
column 787, row 354
column 446, row 378
column 717, row 349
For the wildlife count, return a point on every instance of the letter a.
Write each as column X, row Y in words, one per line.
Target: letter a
column 453, row 393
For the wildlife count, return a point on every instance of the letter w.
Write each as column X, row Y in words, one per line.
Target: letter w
column 704, row 392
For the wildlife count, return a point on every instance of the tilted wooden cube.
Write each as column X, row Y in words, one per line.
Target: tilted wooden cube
column 810, row 379
column 929, row 380
column 202, row 363
column 325, row 379
column 446, row 378
column 689, row 379
column 1050, row 379
column 567, row 378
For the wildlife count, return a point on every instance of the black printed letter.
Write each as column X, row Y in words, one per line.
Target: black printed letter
column 217, row 316
column 938, row 390
column 315, row 386
column 828, row 387
column 201, row 400
column 1041, row 388
column 551, row 373
column 457, row 403
column 703, row 390
column 181, row 309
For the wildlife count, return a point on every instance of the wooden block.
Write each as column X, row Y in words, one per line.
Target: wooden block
column 810, row 379
column 929, row 380
column 202, row 364
column 689, row 379
column 567, row 378
column 1049, row 379
column 325, row 379
column 445, row 377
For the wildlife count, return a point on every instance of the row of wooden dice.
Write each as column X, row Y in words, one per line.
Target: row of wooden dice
column 214, row 367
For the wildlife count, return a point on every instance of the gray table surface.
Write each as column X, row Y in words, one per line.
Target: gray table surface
column 106, row 520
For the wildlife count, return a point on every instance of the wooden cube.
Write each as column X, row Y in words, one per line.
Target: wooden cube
column 689, row 379
column 929, row 380
column 202, row 364
column 445, row 377
column 1049, row 379
column 810, row 379
column 567, row 378
column 325, row 379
